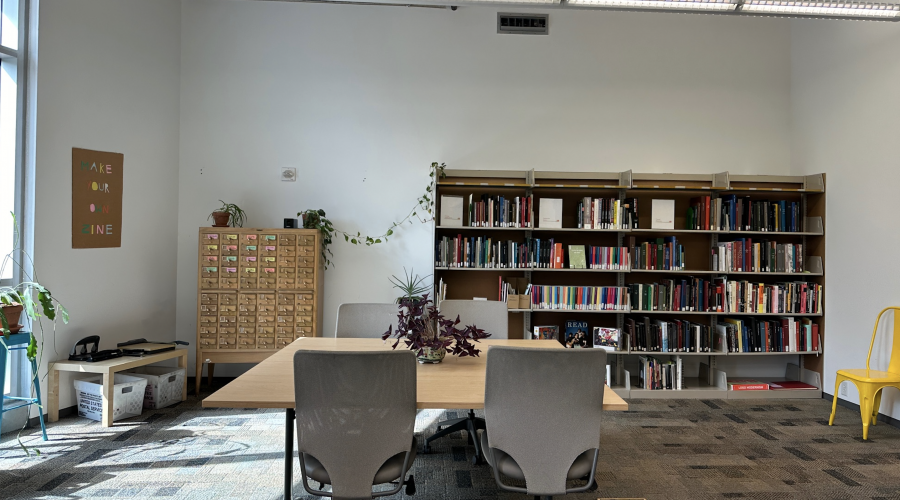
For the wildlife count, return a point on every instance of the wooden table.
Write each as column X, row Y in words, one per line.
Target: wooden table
column 108, row 369
column 456, row 383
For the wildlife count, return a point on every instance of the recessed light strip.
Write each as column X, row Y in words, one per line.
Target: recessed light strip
column 701, row 5
column 829, row 9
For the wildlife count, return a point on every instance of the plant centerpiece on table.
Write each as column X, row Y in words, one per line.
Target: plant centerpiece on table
column 423, row 211
column 426, row 332
column 20, row 297
column 411, row 285
column 228, row 213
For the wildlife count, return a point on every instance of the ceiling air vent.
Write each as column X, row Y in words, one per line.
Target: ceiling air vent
column 523, row 24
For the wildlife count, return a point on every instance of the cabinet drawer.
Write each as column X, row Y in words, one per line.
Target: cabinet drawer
column 281, row 343
column 304, row 309
column 265, row 261
column 209, row 298
column 249, row 284
column 267, row 299
column 303, row 320
column 285, row 320
column 228, row 309
column 227, row 321
column 287, row 240
column 284, row 331
column 229, row 261
column 209, row 260
column 209, row 283
column 247, row 299
column 287, row 261
column 229, row 238
column 286, row 272
column 208, row 342
column 249, row 261
column 227, row 299
column 306, row 261
column 247, row 309
column 246, row 330
column 267, row 282
column 229, row 283
column 304, row 331
column 285, row 309
column 268, row 250
column 248, row 250
column 212, row 249
column 287, row 283
column 305, row 298
column 209, row 239
column 208, row 320
column 227, row 331
column 306, row 251
column 227, row 342
column 265, row 343
column 265, row 320
column 209, row 309
column 265, row 331
column 305, row 283
column 247, row 320
column 286, row 252
column 209, row 272
column 208, row 330
column 306, row 272
column 230, row 250
column 247, row 342
column 249, row 239
column 306, row 240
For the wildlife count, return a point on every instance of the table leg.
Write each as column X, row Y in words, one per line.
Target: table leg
column 53, row 396
column 182, row 363
column 210, row 368
column 289, row 416
column 108, row 382
column 199, row 375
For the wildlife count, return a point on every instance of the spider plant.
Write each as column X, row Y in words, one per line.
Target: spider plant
column 411, row 285
column 235, row 214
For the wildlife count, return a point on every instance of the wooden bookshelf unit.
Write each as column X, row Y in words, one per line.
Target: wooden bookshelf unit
column 257, row 291
column 705, row 372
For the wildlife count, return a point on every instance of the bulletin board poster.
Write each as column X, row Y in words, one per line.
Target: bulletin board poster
column 96, row 198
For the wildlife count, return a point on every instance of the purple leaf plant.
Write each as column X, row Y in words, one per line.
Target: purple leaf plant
column 420, row 325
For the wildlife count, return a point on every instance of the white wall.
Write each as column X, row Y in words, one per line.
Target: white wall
column 846, row 117
column 362, row 99
column 108, row 80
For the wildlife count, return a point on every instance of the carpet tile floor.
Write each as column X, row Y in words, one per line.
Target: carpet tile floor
column 676, row 449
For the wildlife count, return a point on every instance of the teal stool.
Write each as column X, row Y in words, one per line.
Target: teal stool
column 20, row 340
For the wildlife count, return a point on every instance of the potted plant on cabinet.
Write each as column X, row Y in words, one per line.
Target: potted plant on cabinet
column 426, row 332
column 228, row 212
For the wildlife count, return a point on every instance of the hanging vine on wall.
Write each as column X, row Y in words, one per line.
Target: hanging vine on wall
column 423, row 211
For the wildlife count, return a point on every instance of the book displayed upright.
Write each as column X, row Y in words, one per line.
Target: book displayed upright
column 451, row 211
column 550, row 213
column 606, row 338
column 576, row 334
column 662, row 214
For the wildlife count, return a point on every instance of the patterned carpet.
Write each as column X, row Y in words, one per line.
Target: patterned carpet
column 660, row 450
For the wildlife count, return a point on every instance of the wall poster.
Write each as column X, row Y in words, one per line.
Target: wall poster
column 96, row 198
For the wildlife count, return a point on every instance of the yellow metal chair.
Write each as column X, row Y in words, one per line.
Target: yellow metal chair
column 870, row 382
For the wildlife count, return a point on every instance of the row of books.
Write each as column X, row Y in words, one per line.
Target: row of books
column 657, row 374
column 661, row 253
column 481, row 252
column 607, row 213
column 733, row 213
column 668, row 335
column 776, row 335
column 584, row 298
column 724, row 296
column 494, row 211
column 743, row 254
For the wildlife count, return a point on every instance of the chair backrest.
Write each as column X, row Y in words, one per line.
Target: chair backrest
column 542, row 408
column 354, row 411
column 894, row 363
column 368, row 321
column 491, row 316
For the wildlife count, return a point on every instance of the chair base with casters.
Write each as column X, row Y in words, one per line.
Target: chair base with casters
column 582, row 468
column 869, row 383
column 392, row 472
column 470, row 424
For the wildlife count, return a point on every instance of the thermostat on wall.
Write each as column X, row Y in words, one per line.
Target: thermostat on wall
column 288, row 174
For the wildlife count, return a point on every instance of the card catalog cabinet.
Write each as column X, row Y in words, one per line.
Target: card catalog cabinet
column 258, row 290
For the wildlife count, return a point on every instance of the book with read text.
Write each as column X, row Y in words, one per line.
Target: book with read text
column 577, row 334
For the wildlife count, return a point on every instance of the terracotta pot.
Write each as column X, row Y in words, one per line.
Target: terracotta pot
column 12, row 313
column 221, row 219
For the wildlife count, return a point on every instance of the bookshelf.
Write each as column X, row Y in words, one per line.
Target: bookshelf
column 705, row 373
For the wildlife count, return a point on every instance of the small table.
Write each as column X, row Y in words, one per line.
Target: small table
column 452, row 384
column 108, row 368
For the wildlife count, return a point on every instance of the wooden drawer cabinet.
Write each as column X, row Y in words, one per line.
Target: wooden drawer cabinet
column 257, row 291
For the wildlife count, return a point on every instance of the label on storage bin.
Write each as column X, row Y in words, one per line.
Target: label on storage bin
column 250, row 248
column 90, row 404
column 270, row 249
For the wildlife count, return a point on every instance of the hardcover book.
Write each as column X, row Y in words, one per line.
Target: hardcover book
column 747, row 384
column 451, row 211
column 606, row 338
column 550, row 213
column 576, row 334
column 550, row 332
column 662, row 214
column 577, row 258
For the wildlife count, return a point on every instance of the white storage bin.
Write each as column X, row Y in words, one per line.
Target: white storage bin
column 164, row 385
column 128, row 396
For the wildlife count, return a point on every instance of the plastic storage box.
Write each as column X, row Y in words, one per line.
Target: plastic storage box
column 164, row 385
column 128, row 396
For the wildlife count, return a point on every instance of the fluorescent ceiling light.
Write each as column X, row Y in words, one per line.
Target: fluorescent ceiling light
column 835, row 9
column 713, row 5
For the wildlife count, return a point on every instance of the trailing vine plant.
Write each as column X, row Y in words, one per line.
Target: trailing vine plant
column 423, row 211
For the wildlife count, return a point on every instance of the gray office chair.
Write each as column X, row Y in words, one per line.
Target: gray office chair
column 368, row 321
column 492, row 317
column 542, row 408
column 356, row 413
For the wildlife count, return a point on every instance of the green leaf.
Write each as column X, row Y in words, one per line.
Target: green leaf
column 346, row 238
column 31, row 351
column 4, row 322
column 353, row 241
column 390, row 232
column 28, row 302
column 64, row 314
column 378, row 240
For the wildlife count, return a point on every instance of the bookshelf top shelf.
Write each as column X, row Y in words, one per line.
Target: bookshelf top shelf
column 634, row 231
column 649, row 271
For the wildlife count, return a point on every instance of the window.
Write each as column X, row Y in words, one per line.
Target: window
column 13, row 57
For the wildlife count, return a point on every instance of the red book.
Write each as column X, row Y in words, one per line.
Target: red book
column 559, row 256
column 747, row 384
column 706, row 213
column 815, row 337
column 790, row 385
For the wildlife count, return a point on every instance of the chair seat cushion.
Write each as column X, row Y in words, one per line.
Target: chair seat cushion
column 390, row 471
column 508, row 467
column 864, row 375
